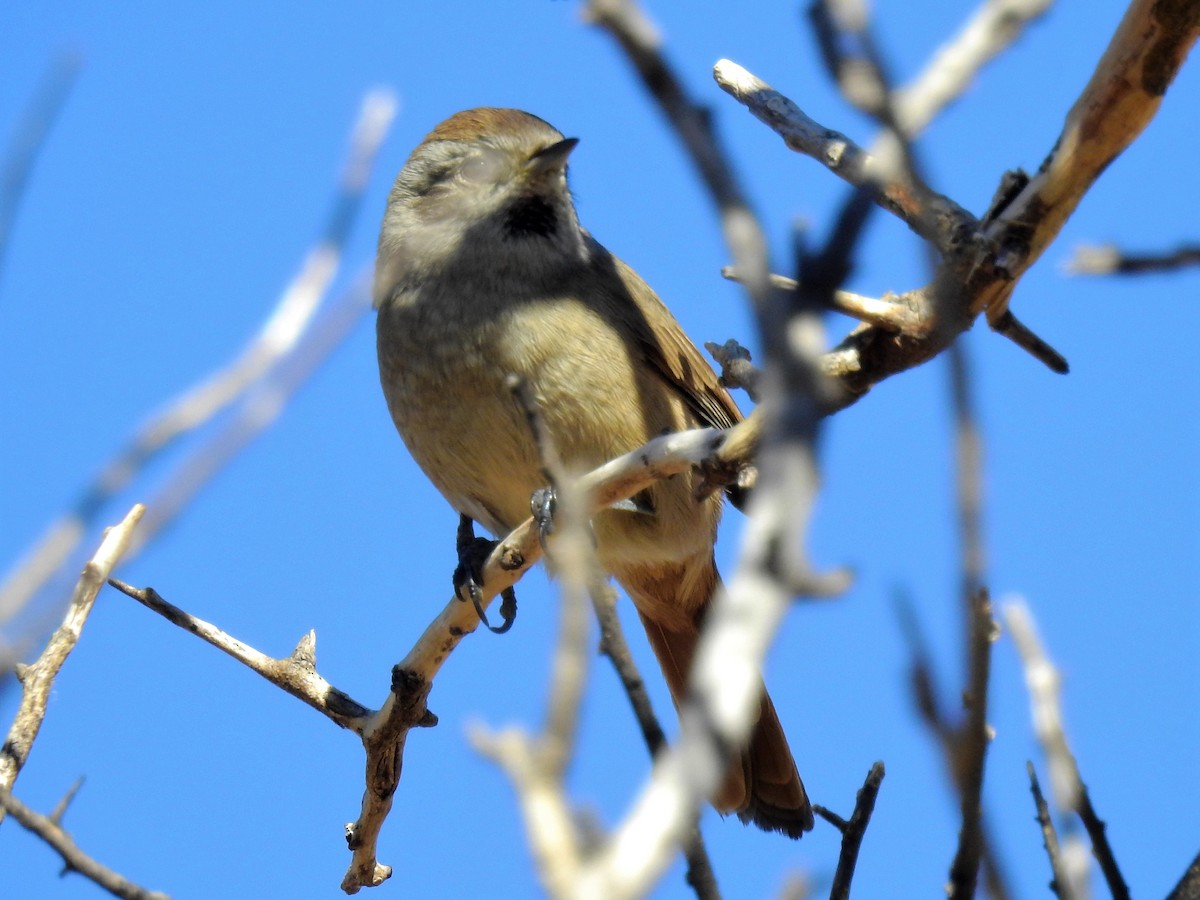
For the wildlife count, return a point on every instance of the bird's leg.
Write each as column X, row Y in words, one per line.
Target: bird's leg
column 473, row 552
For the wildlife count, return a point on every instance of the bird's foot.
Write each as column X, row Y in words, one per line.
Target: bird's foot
column 473, row 552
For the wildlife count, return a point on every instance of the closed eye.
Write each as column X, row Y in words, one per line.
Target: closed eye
column 485, row 166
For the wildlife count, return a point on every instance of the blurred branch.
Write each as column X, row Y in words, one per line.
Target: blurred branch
column 536, row 765
column 691, row 121
column 856, row 63
column 37, row 678
column 30, row 138
column 1109, row 259
column 1043, row 682
column 1060, row 885
column 994, row 27
column 700, row 875
column 285, row 336
column 257, row 409
column 853, row 831
column 971, row 750
column 950, row 736
column 385, row 731
column 74, row 859
column 983, row 261
column 968, row 447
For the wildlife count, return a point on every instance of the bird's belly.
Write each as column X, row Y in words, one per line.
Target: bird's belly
column 447, row 391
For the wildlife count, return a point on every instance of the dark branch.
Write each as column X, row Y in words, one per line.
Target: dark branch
column 74, row 859
column 1059, row 883
column 853, row 831
column 1101, row 849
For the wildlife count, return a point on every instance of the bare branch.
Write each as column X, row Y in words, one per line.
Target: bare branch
column 1059, row 884
column 1043, row 682
column 384, row 732
column 902, row 313
column 1109, row 259
column 993, row 28
column 74, row 859
column 968, row 451
column 1117, row 104
column 972, row 747
column 949, row 736
column 38, row 678
column 690, row 120
column 984, row 261
column 296, row 673
column 853, row 831
column 30, row 137
column 933, row 216
column 700, row 874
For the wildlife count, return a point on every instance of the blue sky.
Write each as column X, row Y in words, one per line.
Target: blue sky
column 177, row 194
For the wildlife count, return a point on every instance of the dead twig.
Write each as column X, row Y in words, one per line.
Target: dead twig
column 853, row 831
column 1043, row 682
column 1059, row 884
column 74, row 859
column 43, row 110
column 385, row 731
column 1109, row 259
column 37, row 678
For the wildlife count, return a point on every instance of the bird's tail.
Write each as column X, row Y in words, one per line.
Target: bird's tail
column 763, row 785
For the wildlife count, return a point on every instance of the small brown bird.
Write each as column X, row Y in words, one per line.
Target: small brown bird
column 484, row 271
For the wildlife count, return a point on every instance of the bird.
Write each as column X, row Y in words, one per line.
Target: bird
column 483, row 272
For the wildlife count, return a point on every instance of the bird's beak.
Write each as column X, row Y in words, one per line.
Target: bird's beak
column 551, row 159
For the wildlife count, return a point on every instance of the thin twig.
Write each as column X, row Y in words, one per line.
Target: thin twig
column 1109, row 259
column 933, row 216
column 296, row 673
column 30, row 137
column 901, row 313
column 1122, row 96
column 926, row 694
column 700, row 874
column 968, row 454
column 60, row 808
column 38, row 677
column 690, row 120
column 1101, row 848
column 972, row 744
column 74, row 859
column 1043, row 682
column 853, row 831
column 1059, row 884
column 384, row 732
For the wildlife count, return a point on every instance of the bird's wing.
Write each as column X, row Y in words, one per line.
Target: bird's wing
column 667, row 349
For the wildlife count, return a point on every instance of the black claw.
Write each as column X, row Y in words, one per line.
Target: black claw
column 543, row 503
column 472, row 554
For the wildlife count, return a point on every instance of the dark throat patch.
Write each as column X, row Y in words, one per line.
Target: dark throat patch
column 530, row 216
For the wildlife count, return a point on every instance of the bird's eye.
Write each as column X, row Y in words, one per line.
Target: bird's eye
column 484, row 166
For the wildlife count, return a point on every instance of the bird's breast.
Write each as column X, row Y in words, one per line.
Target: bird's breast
column 444, row 365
